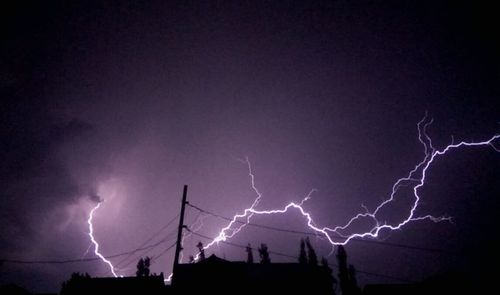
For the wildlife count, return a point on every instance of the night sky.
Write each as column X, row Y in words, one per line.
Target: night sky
column 127, row 102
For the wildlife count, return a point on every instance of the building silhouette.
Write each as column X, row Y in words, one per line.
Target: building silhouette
column 448, row 283
column 84, row 284
column 215, row 275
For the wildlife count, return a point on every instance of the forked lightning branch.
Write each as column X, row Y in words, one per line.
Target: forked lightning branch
column 340, row 234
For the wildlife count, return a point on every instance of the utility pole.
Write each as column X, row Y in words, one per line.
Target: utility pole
column 178, row 247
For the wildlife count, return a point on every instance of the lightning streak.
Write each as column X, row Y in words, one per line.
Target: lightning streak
column 338, row 235
column 416, row 179
column 195, row 227
column 96, row 245
column 228, row 231
column 87, row 251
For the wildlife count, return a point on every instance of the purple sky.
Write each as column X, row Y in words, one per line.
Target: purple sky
column 130, row 101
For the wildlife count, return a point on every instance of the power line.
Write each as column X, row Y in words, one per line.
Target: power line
column 155, row 258
column 147, row 249
column 314, row 234
column 19, row 261
column 241, row 246
column 149, row 239
column 65, row 261
column 121, row 265
column 296, row 258
column 151, row 247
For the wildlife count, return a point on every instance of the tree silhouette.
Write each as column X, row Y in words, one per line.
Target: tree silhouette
column 249, row 254
column 72, row 285
column 331, row 278
column 324, row 262
column 302, row 255
column 143, row 267
column 343, row 273
column 313, row 258
column 353, row 282
column 147, row 263
column 202, row 251
column 264, row 254
column 347, row 275
column 140, row 268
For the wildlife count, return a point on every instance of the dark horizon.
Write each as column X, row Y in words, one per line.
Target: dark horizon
column 124, row 103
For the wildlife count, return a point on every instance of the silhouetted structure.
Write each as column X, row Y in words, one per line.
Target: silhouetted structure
column 140, row 268
column 143, row 267
column 201, row 251
column 311, row 254
column 393, row 289
column 84, row 284
column 249, row 253
column 347, row 276
column 12, row 289
column 302, row 252
column 178, row 244
column 147, row 263
column 218, row 276
column 264, row 254
column 450, row 283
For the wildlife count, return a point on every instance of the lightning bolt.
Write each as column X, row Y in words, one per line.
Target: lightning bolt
column 96, row 245
column 87, row 251
column 416, row 178
column 228, row 231
column 194, row 228
column 169, row 278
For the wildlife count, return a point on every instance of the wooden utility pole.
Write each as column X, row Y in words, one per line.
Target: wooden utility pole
column 178, row 247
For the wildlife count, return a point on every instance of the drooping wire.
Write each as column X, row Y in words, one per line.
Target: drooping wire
column 154, row 235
